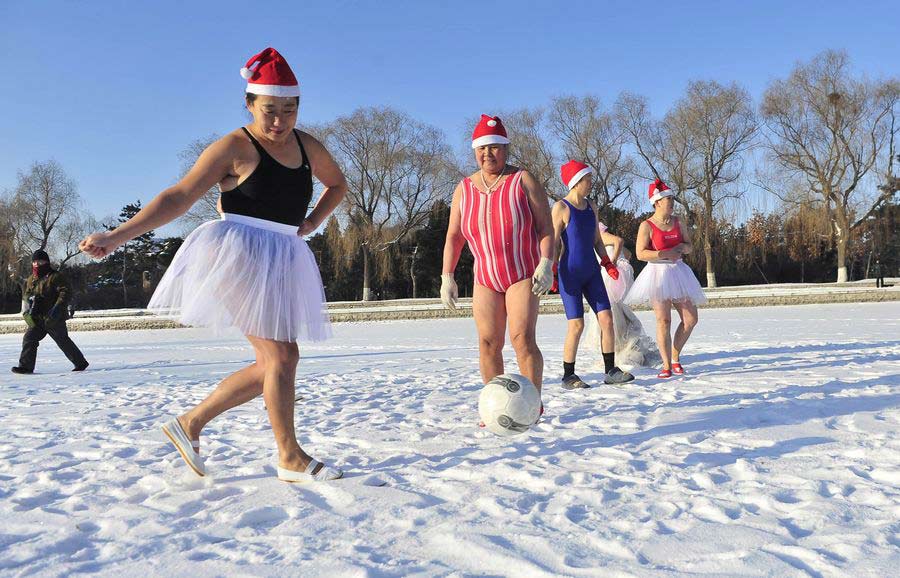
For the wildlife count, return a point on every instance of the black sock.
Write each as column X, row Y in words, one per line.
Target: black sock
column 609, row 360
column 568, row 369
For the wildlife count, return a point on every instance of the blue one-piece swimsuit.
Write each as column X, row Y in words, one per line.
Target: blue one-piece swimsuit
column 579, row 271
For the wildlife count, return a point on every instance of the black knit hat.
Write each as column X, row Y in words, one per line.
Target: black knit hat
column 40, row 255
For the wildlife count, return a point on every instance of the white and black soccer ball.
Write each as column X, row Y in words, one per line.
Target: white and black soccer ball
column 509, row 404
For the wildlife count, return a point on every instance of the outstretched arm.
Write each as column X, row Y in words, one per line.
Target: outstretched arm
column 213, row 165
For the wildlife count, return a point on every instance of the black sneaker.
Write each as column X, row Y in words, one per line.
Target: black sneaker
column 81, row 367
column 22, row 370
column 616, row 376
column 574, row 382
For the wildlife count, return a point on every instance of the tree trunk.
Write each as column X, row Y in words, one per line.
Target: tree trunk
column 412, row 275
column 842, row 238
column 710, row 270
column 842, row 259
column 124, row 285
column 367, row 293
column 707, row 246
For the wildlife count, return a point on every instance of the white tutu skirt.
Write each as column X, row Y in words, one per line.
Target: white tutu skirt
column 616, row 288
column 255, row 275
column 660, row 282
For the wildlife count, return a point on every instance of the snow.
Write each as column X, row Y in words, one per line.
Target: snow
column 778, row 454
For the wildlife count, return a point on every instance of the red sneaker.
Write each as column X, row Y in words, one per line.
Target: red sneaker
column 664, row 374
column 677, row 369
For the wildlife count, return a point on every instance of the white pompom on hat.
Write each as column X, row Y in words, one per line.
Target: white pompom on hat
column 272, row 75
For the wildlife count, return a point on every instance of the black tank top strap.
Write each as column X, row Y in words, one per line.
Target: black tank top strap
column 259, row 148
column 302, row 149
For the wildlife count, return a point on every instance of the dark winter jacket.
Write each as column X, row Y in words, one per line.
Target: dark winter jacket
column 43, row 293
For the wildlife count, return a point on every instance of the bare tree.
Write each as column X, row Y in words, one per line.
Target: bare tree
column 205, row 209
column 530, row 147
column 666, row 149
column 43, row 198
column 396, row 167
column 830, row 127
column 592, row 135
column 71, row 231
column 720, row 124
column 891, row 182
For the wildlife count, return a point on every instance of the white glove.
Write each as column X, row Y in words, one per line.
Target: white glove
column 449, row 292
column 542, row 279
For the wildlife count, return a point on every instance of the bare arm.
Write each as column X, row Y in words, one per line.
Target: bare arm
column 213, row 165
column 454, row 241
column 327, row 171
column 643, row 246
column 599, row 246
column 560, row 218
column 686, row 245
column 614, row 240
column 540, row 212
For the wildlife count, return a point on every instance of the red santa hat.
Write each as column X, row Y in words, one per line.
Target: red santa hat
column 572, row 172
column 658, row 190
column 489, row 130
column 272, row 76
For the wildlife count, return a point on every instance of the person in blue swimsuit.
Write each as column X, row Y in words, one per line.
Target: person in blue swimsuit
column 576, row 239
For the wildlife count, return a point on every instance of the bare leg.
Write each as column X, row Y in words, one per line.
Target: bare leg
column 573, row 338
column 688, row 313
column 236, row 389
column 607, row 331
column 663, row 312
column 489, row 310
column 278, row 390
column 522, row 313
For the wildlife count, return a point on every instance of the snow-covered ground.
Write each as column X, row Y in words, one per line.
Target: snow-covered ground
column 778, row 455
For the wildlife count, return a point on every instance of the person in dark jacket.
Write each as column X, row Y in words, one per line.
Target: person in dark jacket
column 45, row 302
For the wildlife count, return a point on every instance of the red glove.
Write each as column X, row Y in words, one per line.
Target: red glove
column 610, row 268
column 555, row 287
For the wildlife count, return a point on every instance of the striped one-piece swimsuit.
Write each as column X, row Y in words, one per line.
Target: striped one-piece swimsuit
column 499, row 229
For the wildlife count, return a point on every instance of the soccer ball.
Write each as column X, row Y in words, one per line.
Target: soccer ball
column 509, row 404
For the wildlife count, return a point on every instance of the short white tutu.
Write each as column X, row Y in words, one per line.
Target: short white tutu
column 660, row 282
column 256, row 275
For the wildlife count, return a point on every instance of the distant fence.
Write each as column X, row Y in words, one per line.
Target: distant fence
column 350, row 311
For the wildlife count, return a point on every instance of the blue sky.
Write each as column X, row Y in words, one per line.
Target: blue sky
column 114, row 90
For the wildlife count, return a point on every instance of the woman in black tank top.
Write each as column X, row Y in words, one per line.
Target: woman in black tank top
column 273, row 191
column 251, row 269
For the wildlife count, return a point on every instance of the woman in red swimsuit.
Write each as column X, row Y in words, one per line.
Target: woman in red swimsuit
column 666, row 281
column 503, row 214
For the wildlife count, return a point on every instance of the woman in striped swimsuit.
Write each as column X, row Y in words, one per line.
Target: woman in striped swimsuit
column 503, row 214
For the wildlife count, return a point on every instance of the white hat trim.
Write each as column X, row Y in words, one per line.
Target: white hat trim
column 577, row 177
column 661, row 194
column 273, row 89
column 489, row 139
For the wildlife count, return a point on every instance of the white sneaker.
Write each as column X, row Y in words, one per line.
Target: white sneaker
column 183, row 444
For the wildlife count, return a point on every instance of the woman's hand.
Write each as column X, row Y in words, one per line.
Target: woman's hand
column 306, row 228
column 672, row 254
column 98, row 245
